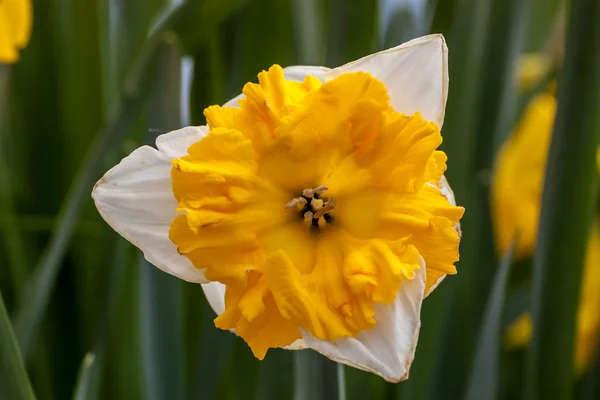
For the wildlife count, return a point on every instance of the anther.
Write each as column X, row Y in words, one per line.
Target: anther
column 299, row 202
column 313, row 208
column 308, row 216
column 330, row 205
column 311, row 192
column 316, row 204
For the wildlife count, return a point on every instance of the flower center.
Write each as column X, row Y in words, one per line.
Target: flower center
column 313, row 207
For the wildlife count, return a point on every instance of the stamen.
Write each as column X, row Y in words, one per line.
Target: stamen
column 311, row 192
column 308, row 216
column 330, row 205
column 316, row 204
column 321, row 223
column 300, row 202
column 314, row 209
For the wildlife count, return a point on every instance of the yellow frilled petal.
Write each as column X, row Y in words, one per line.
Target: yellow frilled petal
column 312, row 203
column 15, row 28
column 518, row 178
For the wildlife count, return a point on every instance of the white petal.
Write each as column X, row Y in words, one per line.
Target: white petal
column 295, row 73
column 446, row 190
column 215, row 294
column 136, row 200
column 388, row 348
column 299, row 344
column 415, row 74
column 175, row 143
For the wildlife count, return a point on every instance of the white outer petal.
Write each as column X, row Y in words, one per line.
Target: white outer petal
column 415, row 74
column 295, row 73
column 215, row 294
column 135, row 198
column 299, row 344
column 175, row 143
column 446, row 190
column 388, row 348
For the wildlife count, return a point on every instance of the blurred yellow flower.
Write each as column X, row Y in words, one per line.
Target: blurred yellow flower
column 312, row 208
column 519, row 175
column 532, row 68
column 15, row 28
column 516, row 197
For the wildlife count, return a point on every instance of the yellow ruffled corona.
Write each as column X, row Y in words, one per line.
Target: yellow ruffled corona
column 15, row 28
column 516, row 200
column 313, row 207
column 311, row 202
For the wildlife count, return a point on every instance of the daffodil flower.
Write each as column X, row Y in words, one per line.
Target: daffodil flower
column 312, row 208
column 516, row 201
column 15, row 28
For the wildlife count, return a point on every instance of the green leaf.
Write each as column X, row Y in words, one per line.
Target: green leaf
column 161, row 305
column 541, row 23
column 315, row 376
column 14, row 383
column 212, row 356
column 12, row 233
column 568, row 205
column 86, row 376
column 195, row 21
column 488, row 37
column 88, row 385
column 483, row 382
column 308, row 23
column 352, row 31
column 37, row 294
column 275, row 378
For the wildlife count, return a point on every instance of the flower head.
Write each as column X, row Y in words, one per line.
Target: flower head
column 516, row 201
column 314, row 204
column 15, row 28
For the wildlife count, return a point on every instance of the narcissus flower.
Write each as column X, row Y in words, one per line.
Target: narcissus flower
column 15, row 28
column 312, row 207
column 516, row 200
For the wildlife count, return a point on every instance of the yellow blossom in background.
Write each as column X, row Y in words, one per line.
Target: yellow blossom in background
column 15, row 28
column 531, row 69
column 519, row 177
column 516, row 201
column 312, row 208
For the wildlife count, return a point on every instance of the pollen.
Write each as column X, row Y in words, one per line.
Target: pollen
column 314, row 209
column 312, row 202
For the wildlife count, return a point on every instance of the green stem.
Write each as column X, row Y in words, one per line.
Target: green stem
column 567, row 208
column 316, row 377
column 307, row 376
column 341, row 381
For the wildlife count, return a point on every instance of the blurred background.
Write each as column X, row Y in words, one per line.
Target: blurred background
column 86, row 317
